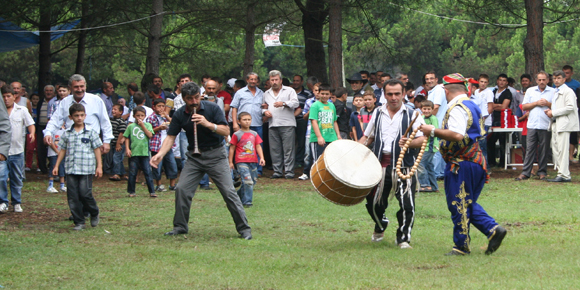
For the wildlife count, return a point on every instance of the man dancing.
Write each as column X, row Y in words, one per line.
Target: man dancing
column 466, row 169
column 387, row 127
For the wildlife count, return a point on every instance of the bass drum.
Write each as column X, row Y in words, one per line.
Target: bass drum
column 346, row 172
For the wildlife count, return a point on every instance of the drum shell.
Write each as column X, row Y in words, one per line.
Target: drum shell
column 332, row 189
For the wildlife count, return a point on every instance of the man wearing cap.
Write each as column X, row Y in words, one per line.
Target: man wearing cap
column 466, row 168
column 386, row 129
column 356, row 83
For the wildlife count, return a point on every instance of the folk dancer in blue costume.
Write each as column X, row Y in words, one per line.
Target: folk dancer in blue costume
column 387, row 127
column 466, row 169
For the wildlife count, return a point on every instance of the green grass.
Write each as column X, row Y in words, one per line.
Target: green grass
column 301, row 241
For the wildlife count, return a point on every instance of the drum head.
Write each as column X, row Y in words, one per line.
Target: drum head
column 352, row 163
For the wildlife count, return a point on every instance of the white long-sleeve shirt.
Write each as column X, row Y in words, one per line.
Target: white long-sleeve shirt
column 96, row 111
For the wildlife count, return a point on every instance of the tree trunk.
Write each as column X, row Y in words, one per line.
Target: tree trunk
column 335, row 42
column 534, row 42
column 82, row 44
column 154, row 48
column 250, row 39
column 44, row 76
column 313, row 24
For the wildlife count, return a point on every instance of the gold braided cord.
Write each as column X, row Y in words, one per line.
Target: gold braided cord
column 402, row 155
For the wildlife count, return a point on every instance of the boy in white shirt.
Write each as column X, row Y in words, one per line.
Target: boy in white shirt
column 52, row 155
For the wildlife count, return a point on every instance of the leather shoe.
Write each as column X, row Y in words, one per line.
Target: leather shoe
column 246, row 236
column 496, row 240
column 456, row 252
column 175, row 233
column 559, row 179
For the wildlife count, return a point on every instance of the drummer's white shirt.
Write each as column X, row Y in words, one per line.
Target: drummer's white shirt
column 390, row 127
column 458, row 117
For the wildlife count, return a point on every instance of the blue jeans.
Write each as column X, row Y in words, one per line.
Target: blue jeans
column 427, row 177
column 51, row 163
column 204, row 180
column 139, row 162
column 183, row 144
column 11, row 168
column 259, row 131
column 439, row 165
column 168, row 164
column 249, row 174
column 483, row 143
column 118, row 166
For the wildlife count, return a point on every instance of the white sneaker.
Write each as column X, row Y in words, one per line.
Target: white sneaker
column 51, row 189
column 405, row 245
column 63, row 189
column 377, row 237
column 38, row 170
column 3, row 208
column 26, row 169
column 303, row 177
column 161, row 188
column 18, row 208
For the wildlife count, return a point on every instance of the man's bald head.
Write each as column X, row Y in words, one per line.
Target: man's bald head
column 211, row 88
column 17, row 88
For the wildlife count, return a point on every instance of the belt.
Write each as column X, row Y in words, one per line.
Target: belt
column 205, row 149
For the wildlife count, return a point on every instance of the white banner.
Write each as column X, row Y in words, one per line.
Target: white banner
column 271, row 35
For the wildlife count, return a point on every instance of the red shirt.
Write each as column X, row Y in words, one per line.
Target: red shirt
column 245, row 143
column 225, row 96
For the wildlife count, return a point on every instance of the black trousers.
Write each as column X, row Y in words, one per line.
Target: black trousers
column 79, row 192
column 406, row 212
column 41, row 149
column 300, row 144
column 492, row 153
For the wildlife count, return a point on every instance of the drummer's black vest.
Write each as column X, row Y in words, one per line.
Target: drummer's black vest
column 410, row 155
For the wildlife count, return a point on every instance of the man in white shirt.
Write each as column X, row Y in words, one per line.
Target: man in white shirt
column 536, row 101
column 386, row 128
column 281, row 101
column 96, row 113
column 436, row 94
column 485, row 95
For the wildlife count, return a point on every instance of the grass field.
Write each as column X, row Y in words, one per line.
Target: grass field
column 301, row 241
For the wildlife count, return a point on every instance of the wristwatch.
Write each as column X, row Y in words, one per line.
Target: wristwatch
column 284, row 104
column 214, row 128
column 432, row 132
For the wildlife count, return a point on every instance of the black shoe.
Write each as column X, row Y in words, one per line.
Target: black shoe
column 440, row 178
column 289, row 176
column 496, row 240
column 248, row 205
column 94, row 221
column 174, row 233
column 559, row 179
column 456, row 252
column 246, row 236
column 275, row 176
column 205, row 187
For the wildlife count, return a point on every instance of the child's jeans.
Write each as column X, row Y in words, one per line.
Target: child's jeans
column 428, row 175
column 118, row 157
column 139, row 162
column 168, row 164
column 249, row 174
column 51, row 163
column 79, row 193
column 12, row 168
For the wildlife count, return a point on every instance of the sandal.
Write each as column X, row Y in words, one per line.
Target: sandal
column 543, row 177
column 132, row 195
column 115, row 178
column 153, row 195
column 427, row 189
column 521, row 177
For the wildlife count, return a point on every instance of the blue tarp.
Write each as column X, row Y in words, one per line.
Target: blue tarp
column 12, row 37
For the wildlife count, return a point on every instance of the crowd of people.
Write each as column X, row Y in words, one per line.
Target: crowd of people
column 229, row 132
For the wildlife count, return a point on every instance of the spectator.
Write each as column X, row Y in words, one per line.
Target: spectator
column 19, row 119
column 44, row 110
column 131, row 90
column 137, row 138
column 501, row 101
column 427, row 178
column 249, row 99
column 108, row 96
column 158, row 82
column 301, row 123
column 246, row 148
column 436, row 94
column 537, row 100
column 118, row 153
column 53, row 151
column 80, row 165
column 160, row 122
column 357, row 81
column 355, row 122
column 342, row 112
column 281, row 101
column 30, row 147
column 140, row 101
column 484, row 96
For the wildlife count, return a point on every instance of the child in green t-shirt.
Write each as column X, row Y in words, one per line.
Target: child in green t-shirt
column 427, row 177
column 137, row 149
column 324, row 129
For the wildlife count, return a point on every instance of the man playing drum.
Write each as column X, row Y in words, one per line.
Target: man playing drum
column 466, row 169
column 387, row 128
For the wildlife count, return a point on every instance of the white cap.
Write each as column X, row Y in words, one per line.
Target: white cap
column 231, row 82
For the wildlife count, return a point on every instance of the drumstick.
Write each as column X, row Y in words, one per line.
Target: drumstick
column 411, row 125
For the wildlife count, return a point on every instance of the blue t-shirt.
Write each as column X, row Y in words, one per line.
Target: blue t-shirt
column 354, row 122
column 573, row 84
